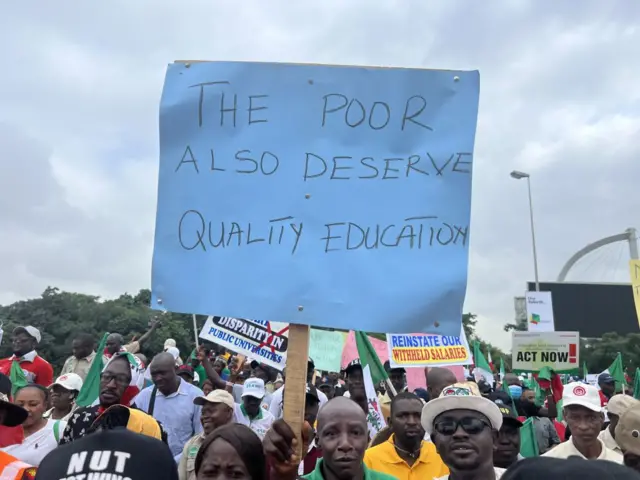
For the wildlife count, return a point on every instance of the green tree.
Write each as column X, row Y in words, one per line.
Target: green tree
column 60, row 316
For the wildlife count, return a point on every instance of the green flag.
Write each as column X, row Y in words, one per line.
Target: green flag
column 616, row 370
column 91, row 387
column 528, row 442
column 502, row 370
column 636, row 384
column 482, row 368
column 368, row 356
column 18, row 379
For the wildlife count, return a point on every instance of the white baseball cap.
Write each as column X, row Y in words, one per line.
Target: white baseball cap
column 583, row 395
column 216, row 396
column 169, row 342
column 29, row 330
column 460, row 396
column 618, row 404
column 253, row 387
column 70, row 381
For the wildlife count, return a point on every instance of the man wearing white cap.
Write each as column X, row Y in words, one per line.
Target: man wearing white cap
column 584, row 417
column 250, row 412
column 463, row 426
column 217, row 410
column 64, row 392
column 170, row 346
column 617, row 405
column 35, row 368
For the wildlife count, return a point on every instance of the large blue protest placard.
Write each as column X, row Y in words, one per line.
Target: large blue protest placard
column 321, row 195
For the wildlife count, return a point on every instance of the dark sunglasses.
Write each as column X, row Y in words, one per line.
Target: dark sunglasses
column 471, row 425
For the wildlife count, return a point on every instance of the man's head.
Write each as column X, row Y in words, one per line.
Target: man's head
column 342, row 437
column 253, row 392
column 437, row 379
column 65, row 390
column 114, row 380
column 527, row 403
column 507, row 444
column 582, row 412
column 463, row 426
column 25, row 340
column 311, row 368
column 262, row 371
column 83, row 345
column 398, row 376
column 114, row 343
column 627, row 436
column 406, row 409
column 163, row 373
column 355, row 380
column 311, row 404
column 512, row 379
column 186, row 373
column 217, row 410
column 607, row 384
column 616, row 407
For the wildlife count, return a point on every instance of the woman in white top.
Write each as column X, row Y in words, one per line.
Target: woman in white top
column 40, row 434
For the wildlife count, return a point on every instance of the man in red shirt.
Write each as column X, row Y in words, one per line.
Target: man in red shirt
column 35, row 368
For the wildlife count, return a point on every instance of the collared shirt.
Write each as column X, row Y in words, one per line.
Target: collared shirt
column 609, row 441
column 187, row 465
column 568, row 449
column 276, row 399
column 35, row 368
column 80, row 366
column 179, row 417
column 384, row 458
column 546, row 433
column 499, row 472
column 260, row 424
column 368, row 473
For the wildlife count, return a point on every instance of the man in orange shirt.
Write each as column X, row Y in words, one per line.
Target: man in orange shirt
column 36, row 369
column 405, row 455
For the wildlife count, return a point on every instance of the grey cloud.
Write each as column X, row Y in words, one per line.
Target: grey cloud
column 82, row 91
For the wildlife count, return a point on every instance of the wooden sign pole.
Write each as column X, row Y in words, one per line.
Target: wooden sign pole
column 296, row 380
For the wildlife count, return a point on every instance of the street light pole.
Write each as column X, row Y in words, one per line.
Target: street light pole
column 519, row 176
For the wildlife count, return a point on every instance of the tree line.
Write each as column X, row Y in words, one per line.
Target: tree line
column 61, row 315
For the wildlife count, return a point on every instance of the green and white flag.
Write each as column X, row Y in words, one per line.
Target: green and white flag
column 502, row 370
column 482, row 369
column 373, row 372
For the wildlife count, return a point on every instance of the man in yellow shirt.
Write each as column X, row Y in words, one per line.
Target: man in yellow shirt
column 405, row 455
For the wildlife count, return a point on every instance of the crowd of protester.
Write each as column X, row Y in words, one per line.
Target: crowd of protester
column 215, row 415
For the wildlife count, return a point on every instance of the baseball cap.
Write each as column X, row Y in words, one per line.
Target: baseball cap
column 618, row 404
column 460, row 396
column 29, row 330
column 352, row 364
column 70, row 381
column 564, row 468
column 15, row 415
column 581, row 394
column 253, row 387
column 216, row 396
column 387, row 367
column 628, row 430
column 606, row 378
column 508, row 414
column 185, row 369
column 116, row 453
column 312, row 392
column 169, row 342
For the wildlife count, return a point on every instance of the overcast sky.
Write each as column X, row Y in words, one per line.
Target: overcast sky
column 79, row 95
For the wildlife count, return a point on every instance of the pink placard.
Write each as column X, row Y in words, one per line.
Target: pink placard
column 415, row 376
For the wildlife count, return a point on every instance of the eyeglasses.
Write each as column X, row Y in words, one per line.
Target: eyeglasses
column 471, row 425
column 107, row 377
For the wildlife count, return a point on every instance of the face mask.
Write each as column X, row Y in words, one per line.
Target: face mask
column 516, row 391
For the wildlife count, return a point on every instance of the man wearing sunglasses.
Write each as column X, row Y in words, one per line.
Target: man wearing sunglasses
column 464, row 426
